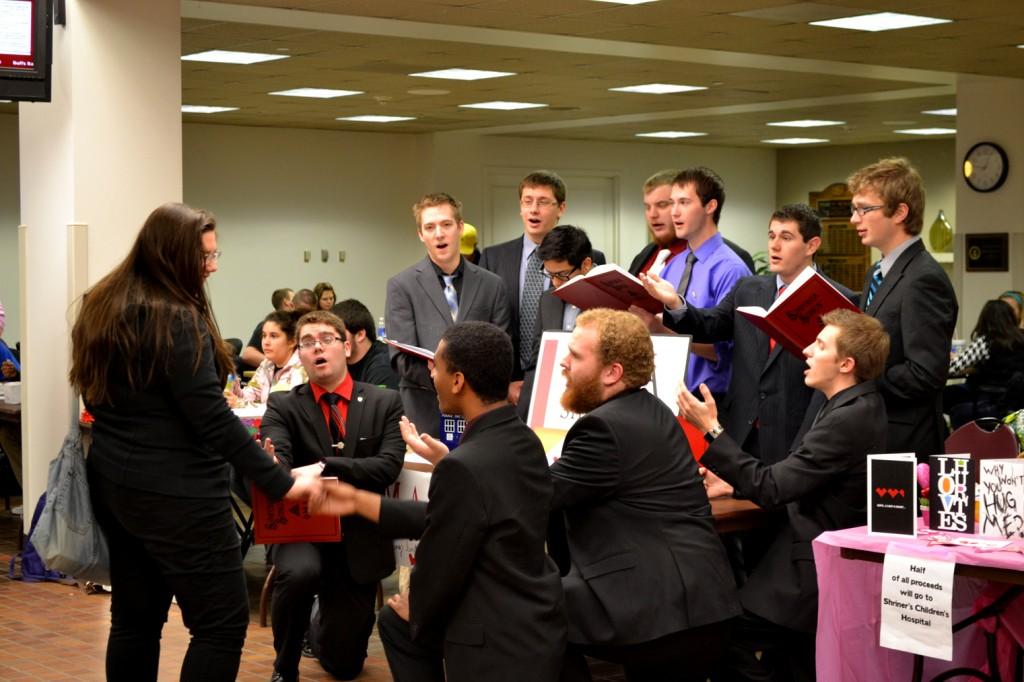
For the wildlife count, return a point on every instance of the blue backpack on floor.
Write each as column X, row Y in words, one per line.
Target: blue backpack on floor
column 30, row 567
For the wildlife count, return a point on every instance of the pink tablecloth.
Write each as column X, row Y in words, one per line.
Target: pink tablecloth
column 849, row 608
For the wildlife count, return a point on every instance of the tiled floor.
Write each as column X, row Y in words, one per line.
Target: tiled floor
column 50, row 631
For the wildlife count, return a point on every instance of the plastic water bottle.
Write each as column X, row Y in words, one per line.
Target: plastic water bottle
column 381, row 332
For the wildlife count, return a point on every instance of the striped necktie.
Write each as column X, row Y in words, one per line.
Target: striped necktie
column 335, row 423
column 450, row 295
column 876, row 282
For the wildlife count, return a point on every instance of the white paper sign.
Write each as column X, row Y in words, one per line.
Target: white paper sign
column 917, row 606
column 411, row 485
column 1001, row 498
column 671, row 352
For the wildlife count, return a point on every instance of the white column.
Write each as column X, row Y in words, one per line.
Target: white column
column 102, row 154
column 988, row 110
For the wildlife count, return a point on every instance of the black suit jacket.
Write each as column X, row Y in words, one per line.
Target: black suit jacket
column 504, row 260
column 651, row 248
column 481, row 576
column 918, row 308
column 371, row 459
column 646, row 560
column 767, row 385
column 417, row 313
column 176, row 436
column 822, row 484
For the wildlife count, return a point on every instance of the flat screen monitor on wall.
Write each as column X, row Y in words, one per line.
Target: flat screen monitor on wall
column 26, row 31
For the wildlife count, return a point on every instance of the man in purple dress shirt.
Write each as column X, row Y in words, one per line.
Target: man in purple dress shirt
column 707, row 269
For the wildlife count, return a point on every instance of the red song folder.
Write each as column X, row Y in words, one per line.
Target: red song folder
column 283, row 521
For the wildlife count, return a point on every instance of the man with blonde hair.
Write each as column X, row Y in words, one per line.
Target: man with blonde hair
column 910, row 294
column 427, row 298
column 649, row 584
column 821, row 484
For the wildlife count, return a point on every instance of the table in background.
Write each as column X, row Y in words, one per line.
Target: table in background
column 10, row 435
column 849, row 612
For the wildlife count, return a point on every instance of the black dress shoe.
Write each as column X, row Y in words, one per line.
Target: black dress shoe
column 278, row 677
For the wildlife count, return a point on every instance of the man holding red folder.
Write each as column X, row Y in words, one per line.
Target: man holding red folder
column 767, row 398
column 348, row 430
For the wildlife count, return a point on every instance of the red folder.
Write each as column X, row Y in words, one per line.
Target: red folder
column 283, row 521
column 607, row 286
column 794, row 320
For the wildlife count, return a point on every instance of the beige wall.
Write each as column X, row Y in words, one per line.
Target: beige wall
column 9, row 219
column 277, row 192
column 804, row 170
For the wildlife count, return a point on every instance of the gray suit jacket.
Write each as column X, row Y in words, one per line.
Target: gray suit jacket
column 416, row 313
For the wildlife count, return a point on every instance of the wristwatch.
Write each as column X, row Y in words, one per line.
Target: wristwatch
column 713, row 433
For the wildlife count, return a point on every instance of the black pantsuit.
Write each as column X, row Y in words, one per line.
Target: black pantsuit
column 342, row 626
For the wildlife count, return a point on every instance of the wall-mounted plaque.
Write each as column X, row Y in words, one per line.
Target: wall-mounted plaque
column 987, row 252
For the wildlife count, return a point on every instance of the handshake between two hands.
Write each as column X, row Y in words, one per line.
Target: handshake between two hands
column 331, row 497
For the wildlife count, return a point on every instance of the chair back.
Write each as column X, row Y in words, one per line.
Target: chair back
column 984, row 438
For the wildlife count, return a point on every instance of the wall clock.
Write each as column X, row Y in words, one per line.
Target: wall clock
column 986, row 167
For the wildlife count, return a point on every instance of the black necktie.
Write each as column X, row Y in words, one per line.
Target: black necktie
column 334, row 422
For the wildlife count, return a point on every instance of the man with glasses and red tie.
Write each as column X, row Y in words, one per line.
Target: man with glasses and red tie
column 541, row 204
column 427, row 298
column 564, row 253
column 344, row 429
column 911, row 295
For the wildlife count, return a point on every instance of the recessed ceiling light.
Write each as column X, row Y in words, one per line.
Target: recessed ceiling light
column 319, row 93
column 201, row 109
column 880, row 21
column 5, row 101
column 806, row 123
column 627, row 2
column 462, row 74
column 671, row 134
column 503, row 106
column 658, row 88
column 927, row 131
column 795, row 140
column 230, row 57
column 427, row 92
column 376, row 119
column 941, row 112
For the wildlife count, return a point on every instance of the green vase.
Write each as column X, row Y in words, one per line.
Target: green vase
column 941, row 234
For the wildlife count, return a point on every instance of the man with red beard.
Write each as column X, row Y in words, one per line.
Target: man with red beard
column 649, row 585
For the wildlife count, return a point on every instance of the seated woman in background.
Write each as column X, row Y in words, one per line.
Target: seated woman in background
column 1015, row 299
column 325, row 297
column 280, row 369
column 10, row 369
column 994, row 366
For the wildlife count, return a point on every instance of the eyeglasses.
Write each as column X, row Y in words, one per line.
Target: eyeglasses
column 309, row 343
column 863, row 210
column 212, row 256
column 563, row 276
column 541, row 203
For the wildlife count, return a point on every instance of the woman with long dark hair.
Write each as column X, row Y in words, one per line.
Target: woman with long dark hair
column 994, row 366
column 150, row 363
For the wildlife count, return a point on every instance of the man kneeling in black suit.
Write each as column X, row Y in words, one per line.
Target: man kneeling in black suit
column 346, row 429
column 484, row 600
column 821, row 484
column 649, row 584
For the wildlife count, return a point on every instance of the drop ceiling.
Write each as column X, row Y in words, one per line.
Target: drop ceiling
column 759, row 60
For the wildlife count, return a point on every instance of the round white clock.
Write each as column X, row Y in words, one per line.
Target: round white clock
column 986, row 167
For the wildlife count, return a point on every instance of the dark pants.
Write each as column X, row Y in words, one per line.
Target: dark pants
column 685, row 656
column 786, row 655
column 162, row 546
column 345, row 617
column 409, row 661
